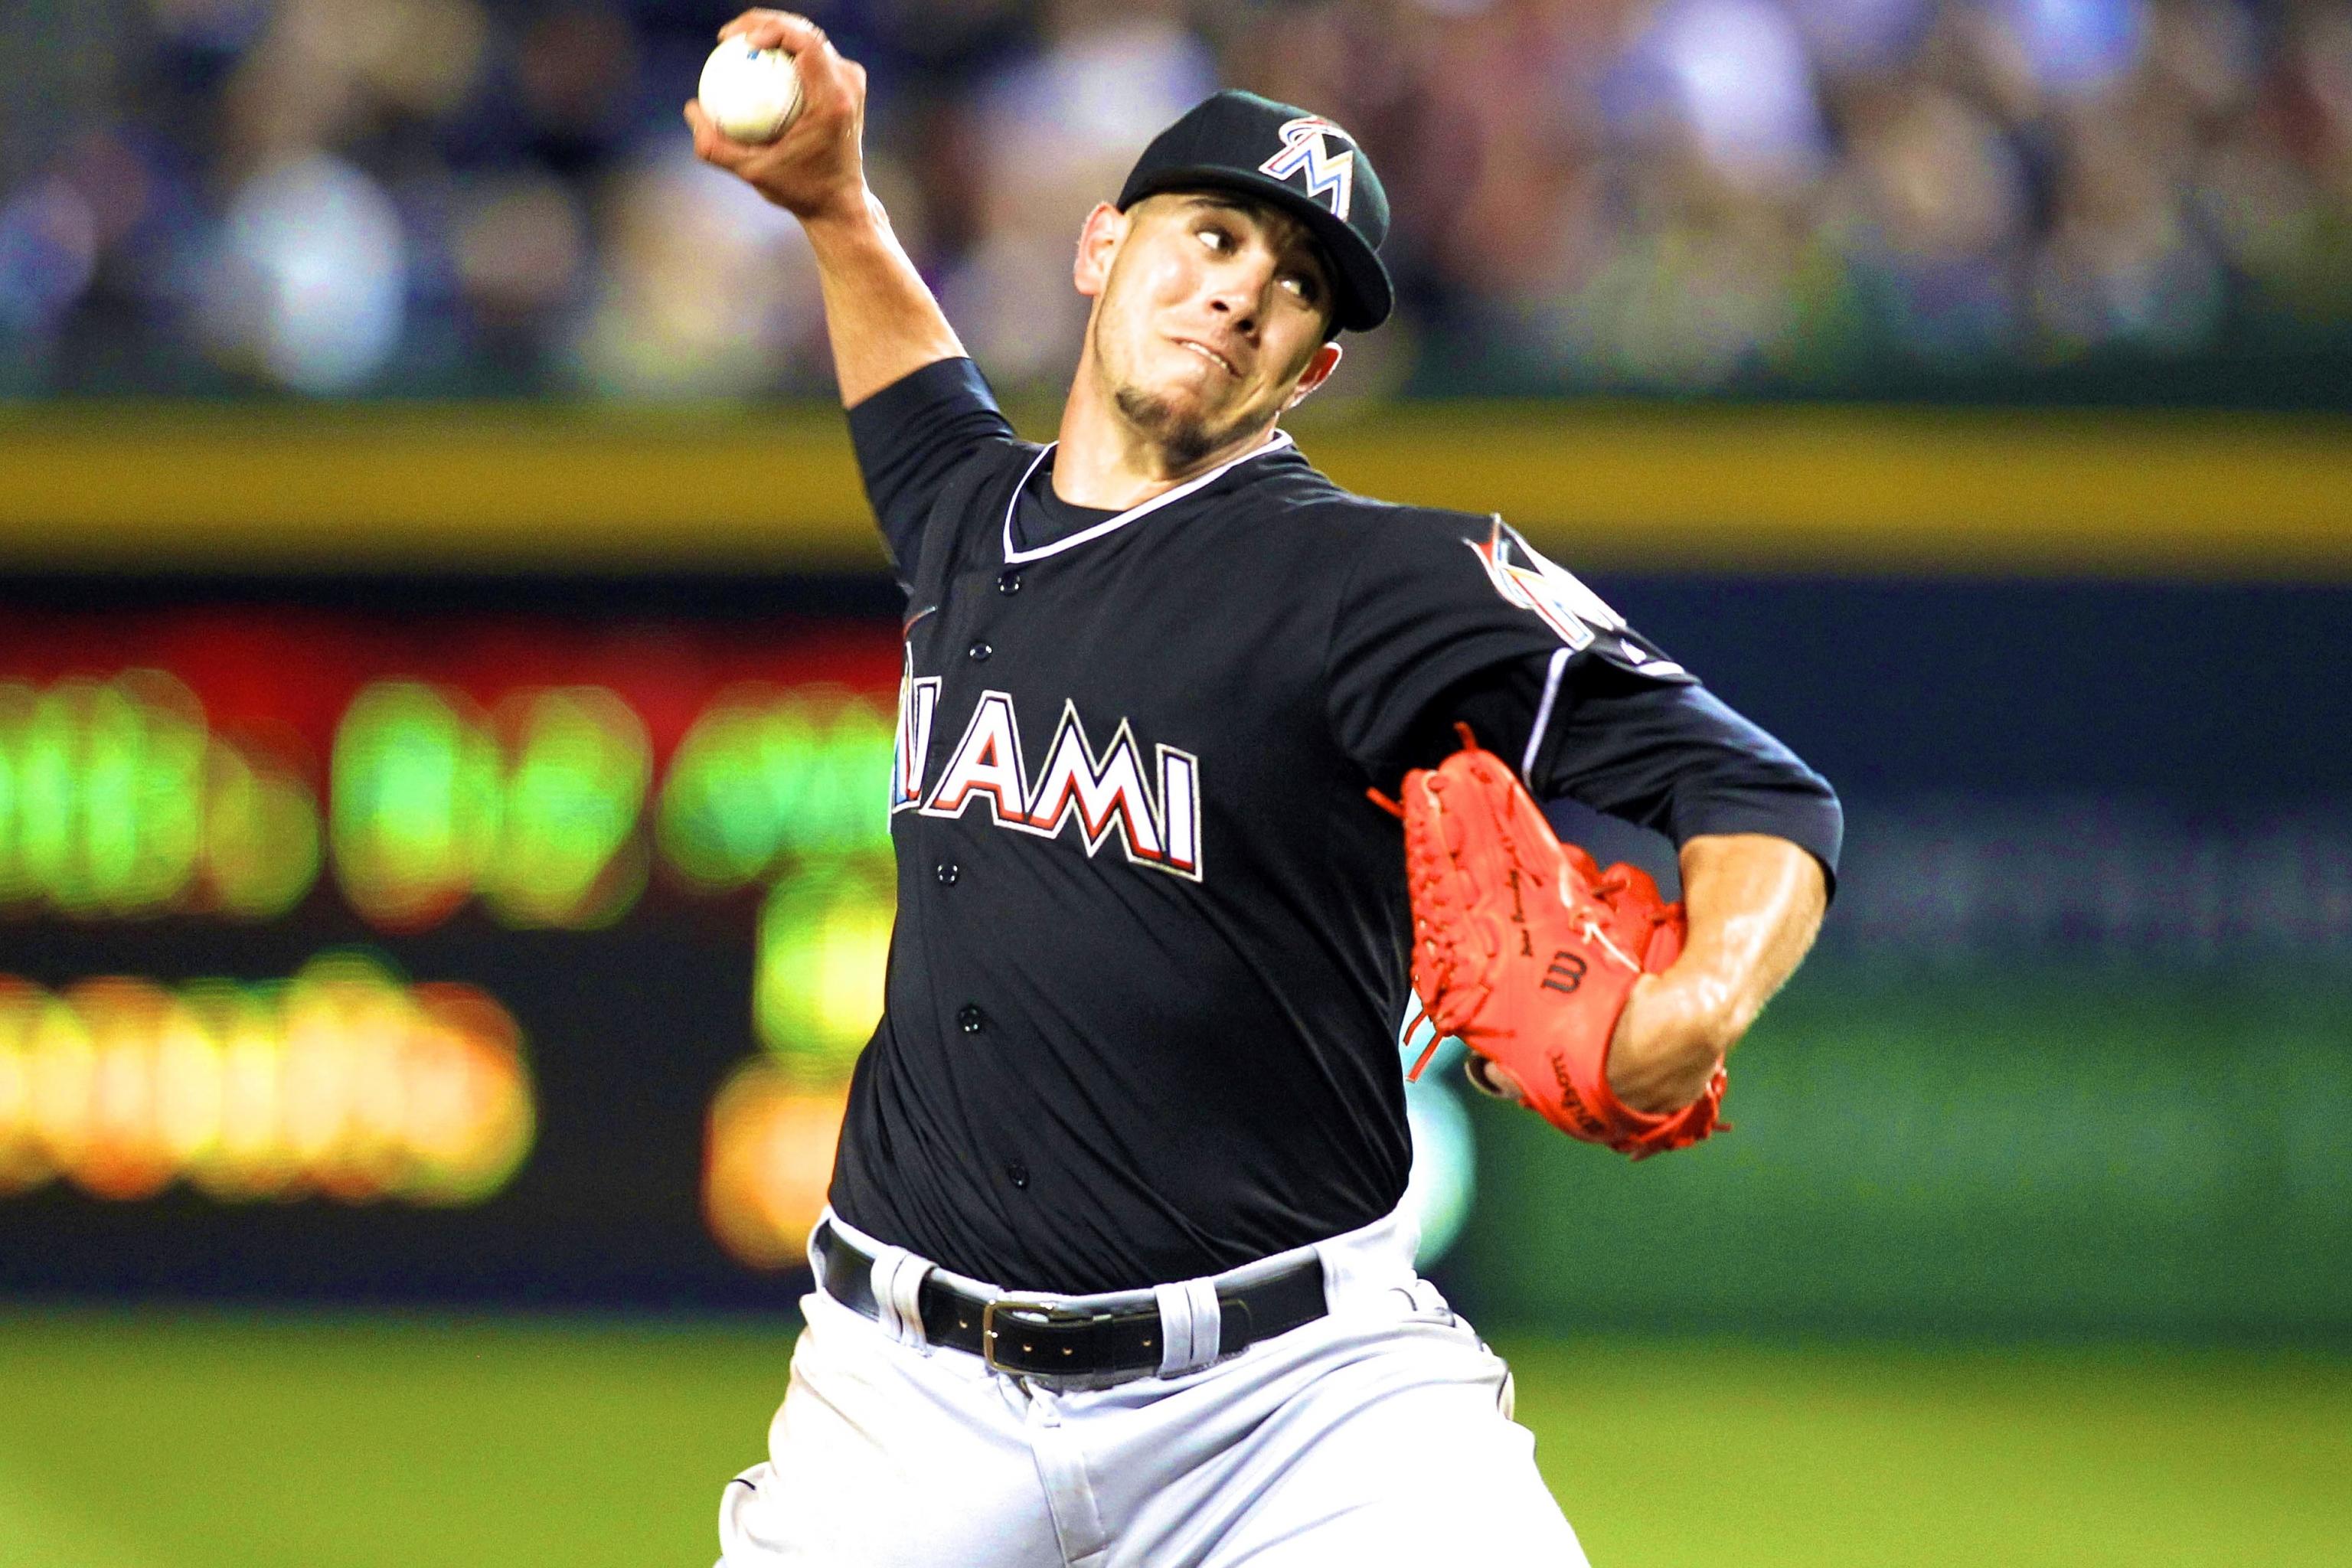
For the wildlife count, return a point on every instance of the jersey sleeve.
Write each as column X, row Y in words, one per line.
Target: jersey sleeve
column 910, row 438
column 1666, row 755
column 1434, row 599
column 1551, row 678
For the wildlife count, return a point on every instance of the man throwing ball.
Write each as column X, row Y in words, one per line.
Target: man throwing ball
column 1114, row 1272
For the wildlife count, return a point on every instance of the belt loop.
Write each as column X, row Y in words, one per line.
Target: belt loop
column 897, row 1282
column 1191, row 1326
column 814, row 1248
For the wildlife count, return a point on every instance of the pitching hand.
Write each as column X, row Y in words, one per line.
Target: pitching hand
column 814, row 169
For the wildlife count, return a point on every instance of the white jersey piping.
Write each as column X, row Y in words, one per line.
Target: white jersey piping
column 1015, row 557
column 1543, row 715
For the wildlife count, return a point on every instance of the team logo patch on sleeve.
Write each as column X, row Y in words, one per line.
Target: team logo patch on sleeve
column 1524, row 578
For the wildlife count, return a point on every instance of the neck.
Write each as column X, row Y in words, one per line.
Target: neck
column 1104, row 460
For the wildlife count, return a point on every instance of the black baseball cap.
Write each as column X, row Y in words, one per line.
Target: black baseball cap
column 1296, row 161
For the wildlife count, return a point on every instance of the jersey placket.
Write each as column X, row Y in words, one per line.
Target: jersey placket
column 969, row 641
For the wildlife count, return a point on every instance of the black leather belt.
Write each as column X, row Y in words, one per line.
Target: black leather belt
column 1044, row 1339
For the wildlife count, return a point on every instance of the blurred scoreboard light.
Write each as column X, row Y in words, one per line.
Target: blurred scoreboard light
column 535, row 808
column 562, row 791
column 766, row 774
column 790, row 787
column 817, row 993
column 570, row 851
column 768, row 1160
column 655, row 790
column 824, row 946
column 117, row 800
column 342, row 1083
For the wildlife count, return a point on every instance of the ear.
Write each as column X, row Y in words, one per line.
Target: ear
column 1318, row 371
column 1098, row 243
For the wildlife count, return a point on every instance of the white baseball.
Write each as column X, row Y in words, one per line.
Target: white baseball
column 751, row 94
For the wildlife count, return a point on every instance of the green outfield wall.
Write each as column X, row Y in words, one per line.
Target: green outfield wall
column 2133, row 1150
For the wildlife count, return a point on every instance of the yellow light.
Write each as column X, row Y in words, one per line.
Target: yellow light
column 342, row 1081
column 64, row 1068
column 768, row 1157
column 124, row 1157
column 24, row 1164
column 252, row 1160
column 467, row 1125
column 188, row 1079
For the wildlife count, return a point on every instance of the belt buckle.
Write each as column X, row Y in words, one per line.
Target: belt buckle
column 1044, row 1315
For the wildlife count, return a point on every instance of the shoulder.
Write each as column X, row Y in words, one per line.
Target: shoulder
column 1320, row 510
column 1463, row 568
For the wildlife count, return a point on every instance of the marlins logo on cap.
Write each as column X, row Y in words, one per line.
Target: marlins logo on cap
column 1316, row 172
column 1327, row 173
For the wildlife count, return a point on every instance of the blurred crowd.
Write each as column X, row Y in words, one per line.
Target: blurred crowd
column 497, row 197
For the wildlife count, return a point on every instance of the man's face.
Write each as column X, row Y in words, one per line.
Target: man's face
column 1210, row 315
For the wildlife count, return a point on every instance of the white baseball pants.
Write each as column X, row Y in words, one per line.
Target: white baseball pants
column 1378, row 1436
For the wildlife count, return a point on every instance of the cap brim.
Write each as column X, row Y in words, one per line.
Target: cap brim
column 1365, row 297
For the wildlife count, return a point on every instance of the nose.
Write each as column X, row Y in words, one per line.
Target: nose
column 1240, row 293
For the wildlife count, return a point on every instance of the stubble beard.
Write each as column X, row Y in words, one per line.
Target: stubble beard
column 1181, row 437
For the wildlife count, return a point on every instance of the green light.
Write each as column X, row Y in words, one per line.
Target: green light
column 417, row 797
column 568, row 852
column 763, row 775
column 16, row 702
column 103, row 794
column 429, row 807
column 824, row 943
column 261, row 836
column 46, row 769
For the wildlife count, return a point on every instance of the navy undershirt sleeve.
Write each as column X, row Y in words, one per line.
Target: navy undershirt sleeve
column 909, row 438
column 1671, row 756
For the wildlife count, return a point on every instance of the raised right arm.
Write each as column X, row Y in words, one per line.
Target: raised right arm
column 881, row 317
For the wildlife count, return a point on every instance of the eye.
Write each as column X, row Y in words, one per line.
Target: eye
column 1217, row 239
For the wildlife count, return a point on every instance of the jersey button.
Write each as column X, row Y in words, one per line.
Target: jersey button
column 947, row 871
column 971, row 1019
column 1018, row 1173
column 980, row 652
column 1009, row 584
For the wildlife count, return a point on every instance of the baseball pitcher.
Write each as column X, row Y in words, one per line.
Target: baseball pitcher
column 1207, row 768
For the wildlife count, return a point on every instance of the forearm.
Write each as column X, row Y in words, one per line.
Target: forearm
column 884, row 323
column 883, row 320
column 1753, row 903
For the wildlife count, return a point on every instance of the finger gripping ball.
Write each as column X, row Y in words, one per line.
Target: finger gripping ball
column 751, row 94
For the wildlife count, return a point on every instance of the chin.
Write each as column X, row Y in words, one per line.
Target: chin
column 1185, row 426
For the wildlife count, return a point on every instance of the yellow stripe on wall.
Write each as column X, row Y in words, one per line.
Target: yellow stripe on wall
column 1772, row 489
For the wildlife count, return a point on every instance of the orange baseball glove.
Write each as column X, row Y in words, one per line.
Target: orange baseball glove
column 1527, row 951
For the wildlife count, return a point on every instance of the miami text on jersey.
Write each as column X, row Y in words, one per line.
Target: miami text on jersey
column 1105, row 791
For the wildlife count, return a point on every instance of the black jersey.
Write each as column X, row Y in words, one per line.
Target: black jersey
column 1152, row 941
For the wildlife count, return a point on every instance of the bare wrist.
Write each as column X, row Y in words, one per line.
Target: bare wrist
column 856, row 218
